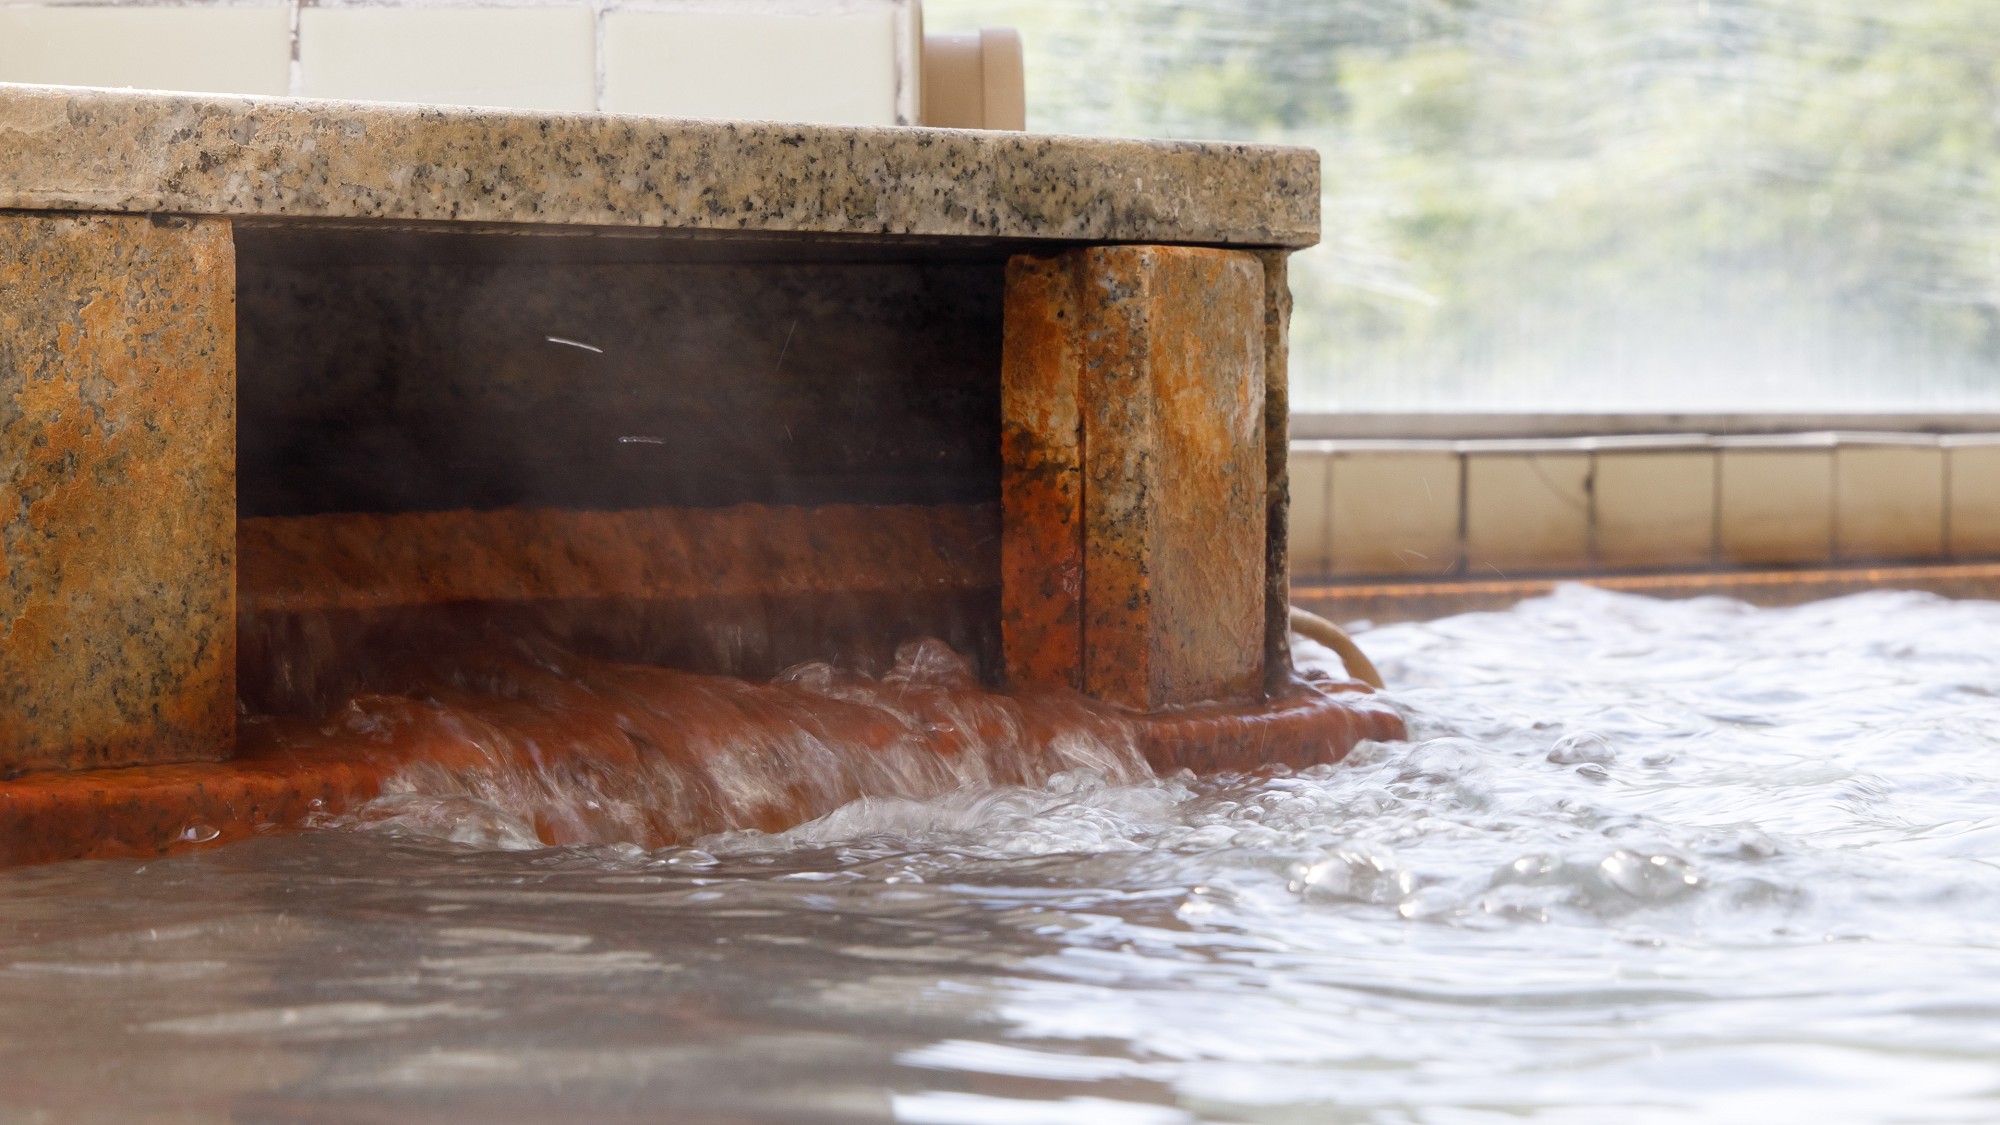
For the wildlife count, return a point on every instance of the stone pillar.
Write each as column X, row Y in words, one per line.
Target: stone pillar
column 1278, row 671
column 117, row 490
column 1133, row 489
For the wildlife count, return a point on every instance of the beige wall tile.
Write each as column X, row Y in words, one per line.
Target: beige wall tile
column 516, row 58
column 1310, row 542
column 205, row 50
column 1975, row 500
column 1395, row 513
column 830, row 68
column 1777, row 505
column 1888, row 502
column 1526, row 511
column 1655, row 508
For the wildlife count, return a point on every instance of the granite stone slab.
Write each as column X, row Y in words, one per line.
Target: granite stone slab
column 64, row 148
column 117, row 490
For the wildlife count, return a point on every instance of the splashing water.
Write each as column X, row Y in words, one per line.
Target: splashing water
column 1640, row 861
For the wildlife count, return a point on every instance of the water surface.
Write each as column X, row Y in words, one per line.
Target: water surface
column 1641, row 861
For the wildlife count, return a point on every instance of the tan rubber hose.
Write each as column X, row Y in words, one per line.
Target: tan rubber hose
column 1316, row 628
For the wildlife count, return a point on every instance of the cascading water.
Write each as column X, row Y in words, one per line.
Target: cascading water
column 567, row 750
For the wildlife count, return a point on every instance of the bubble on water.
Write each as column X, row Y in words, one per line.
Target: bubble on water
column 688, row 857
column 1581, row 747
column 1429, row 904
column 1756, row 845
column 1528, row 869
column 1441, row 760
column 1592, row 771
column 1653, row 878
column 1357, row 871
column 199, row 833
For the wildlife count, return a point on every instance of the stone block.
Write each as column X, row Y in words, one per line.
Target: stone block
column 1278, row 670
column 1041, row 489
column 117, row 491
column 1165, row 347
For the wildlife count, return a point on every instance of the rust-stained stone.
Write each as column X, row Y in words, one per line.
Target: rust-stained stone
column 1172, row 403
column 1133, row 422
column 337, row 605
column 1277, row 470
column 1041, row 486
column 368, row 561
column 117, row 490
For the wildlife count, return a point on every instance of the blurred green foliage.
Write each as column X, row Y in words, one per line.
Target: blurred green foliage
column 1533, row 204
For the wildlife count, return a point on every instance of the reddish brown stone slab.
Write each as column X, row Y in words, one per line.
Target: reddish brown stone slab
column 1041, row 484
column 1172, row 405
column 117, row 490
column 1133, row 420
column 368, row 561
column 334, row 605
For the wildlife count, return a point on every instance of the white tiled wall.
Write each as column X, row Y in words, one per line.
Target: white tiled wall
column 1394, row 512
column 1379, row 508
column 1655, row 508
column 831, row 61
column 210, row 50
column 1526, row 511
column 1776, row 506
column 1309, row 542
column 517, row 58
column 1889, row 502
column 1973, row 512
column 837, row 68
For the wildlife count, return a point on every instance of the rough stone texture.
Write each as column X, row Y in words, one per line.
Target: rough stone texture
column 1172, row 393
column 98, row 150
column 117, row 490
column 1167, row 346
column 1277, row 471
column 1041, row 486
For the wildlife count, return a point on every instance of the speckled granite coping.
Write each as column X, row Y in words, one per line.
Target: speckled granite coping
column 66, row 148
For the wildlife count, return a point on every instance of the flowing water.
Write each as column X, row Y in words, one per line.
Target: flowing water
column 1640, row 861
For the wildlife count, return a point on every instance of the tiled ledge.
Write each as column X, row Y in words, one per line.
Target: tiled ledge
column 1505, row 507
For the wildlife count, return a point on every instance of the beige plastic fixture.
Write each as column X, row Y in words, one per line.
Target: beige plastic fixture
column 974, row 80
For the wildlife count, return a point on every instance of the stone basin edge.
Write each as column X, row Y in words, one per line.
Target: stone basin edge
column 84, row 149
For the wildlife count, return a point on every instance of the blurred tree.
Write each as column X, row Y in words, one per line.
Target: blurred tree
column 1681, row 204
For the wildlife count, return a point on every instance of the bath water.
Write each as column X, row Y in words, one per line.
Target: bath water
column 1640, row 861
